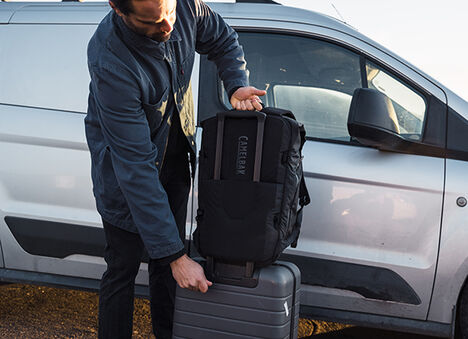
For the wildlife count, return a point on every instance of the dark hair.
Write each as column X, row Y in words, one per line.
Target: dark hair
column 125, row 6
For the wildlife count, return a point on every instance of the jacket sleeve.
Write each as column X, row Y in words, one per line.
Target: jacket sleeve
column 125, row 129
column 217, row 39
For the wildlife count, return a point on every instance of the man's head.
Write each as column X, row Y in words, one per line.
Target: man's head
column 152, row 18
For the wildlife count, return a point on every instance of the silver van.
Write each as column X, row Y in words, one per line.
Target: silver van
column 384, row 242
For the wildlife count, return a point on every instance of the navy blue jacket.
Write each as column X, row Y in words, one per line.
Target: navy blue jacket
column 137, row 84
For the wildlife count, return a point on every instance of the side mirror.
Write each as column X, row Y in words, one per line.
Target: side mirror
column 372, row 120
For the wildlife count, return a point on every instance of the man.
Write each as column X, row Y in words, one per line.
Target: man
column 140, row 130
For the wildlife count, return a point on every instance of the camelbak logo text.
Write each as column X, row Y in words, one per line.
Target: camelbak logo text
column 242, row 155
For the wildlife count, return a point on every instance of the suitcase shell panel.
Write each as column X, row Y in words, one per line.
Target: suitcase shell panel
column 269, row 310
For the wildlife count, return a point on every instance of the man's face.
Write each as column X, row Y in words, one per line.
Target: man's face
column 152, row 18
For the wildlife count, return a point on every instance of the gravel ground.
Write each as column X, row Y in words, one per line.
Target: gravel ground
column 28, row 311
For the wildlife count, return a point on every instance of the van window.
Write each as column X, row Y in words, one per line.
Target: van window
column 409, row 105
column 45, row 66
column 312, row 78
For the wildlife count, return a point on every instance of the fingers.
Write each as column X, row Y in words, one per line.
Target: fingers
column 196, row 279
column 257, row 106
column 243, row 105
column 247, row 98
column 252, row 102
column 248, row 105
column 257, row 103
column 203, row 286
column 189, row 274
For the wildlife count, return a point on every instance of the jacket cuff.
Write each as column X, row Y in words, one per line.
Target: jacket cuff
column 170, row 258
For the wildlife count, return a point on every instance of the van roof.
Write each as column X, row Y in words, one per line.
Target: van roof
column 93, row 12
column 7, row 10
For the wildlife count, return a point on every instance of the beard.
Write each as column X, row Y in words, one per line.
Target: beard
column 160, row 37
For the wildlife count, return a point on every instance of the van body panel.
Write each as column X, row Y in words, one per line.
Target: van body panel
column 48, row 69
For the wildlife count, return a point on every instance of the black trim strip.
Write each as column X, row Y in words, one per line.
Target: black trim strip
column 362, row 62
column 369, row 281
column 56, row 239
column 457, row 130
column 59, row 240
column 378, row 321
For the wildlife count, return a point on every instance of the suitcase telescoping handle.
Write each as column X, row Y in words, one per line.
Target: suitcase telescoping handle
column 259, row 144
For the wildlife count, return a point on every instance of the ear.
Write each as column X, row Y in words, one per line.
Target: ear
column 119, row 13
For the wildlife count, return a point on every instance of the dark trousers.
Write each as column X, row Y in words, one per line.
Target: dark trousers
column 123, row 254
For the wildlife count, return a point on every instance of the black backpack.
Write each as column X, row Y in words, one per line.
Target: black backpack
column 251, row 186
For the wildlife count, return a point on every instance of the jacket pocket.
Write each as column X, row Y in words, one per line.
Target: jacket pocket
column 107, row 188
column 155, row 112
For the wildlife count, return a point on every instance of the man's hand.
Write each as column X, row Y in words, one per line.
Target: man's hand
column 189, row 274
column 246, row 98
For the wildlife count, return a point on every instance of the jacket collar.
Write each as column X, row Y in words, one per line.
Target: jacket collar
column 141, row 42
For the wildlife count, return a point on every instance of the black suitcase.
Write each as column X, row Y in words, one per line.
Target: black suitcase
column 264, row 306
column 251, row 186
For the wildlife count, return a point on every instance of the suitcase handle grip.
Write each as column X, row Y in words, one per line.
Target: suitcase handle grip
column 259, row 143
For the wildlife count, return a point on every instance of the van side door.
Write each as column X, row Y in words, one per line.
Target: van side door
column 369, row 239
